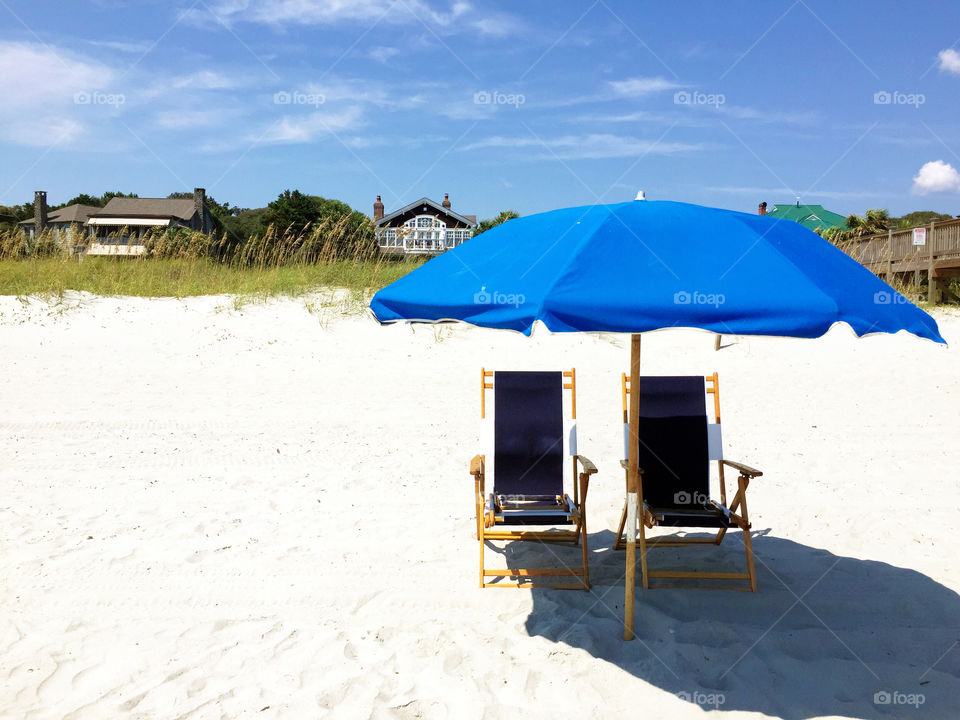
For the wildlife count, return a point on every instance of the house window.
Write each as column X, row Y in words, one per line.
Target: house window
column 424, row 221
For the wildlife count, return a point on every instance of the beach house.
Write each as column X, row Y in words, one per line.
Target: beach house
column 424, row 227
column 58, row 222
column 812, row 217
column 120, row 227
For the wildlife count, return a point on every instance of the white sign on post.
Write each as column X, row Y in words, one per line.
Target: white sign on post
column 920, row 236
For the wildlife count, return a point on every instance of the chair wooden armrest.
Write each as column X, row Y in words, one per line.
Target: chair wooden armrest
column 588, row 467
column 743, row 469
column 476, row 466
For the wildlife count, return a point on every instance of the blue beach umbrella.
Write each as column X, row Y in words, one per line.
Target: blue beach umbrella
column 647, row 265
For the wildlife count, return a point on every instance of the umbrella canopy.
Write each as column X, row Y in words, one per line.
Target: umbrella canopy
column 645, row 265
column 639, row 266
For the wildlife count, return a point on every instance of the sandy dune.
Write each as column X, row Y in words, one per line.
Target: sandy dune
column 265, row 512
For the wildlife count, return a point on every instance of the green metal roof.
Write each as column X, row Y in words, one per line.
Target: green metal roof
column 810, row 216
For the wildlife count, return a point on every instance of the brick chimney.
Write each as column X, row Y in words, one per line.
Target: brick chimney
column 446, row 201
column 762, row 209
column 200, row 205
column 377, row 209
column 39, row 211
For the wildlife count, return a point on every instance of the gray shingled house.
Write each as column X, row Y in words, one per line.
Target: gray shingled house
column 119, row 227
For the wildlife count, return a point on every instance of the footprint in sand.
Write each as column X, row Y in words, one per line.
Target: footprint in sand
column 423, row 709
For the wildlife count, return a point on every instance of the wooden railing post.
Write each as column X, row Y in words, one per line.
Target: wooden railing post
column 931, row 283
column 889, row 277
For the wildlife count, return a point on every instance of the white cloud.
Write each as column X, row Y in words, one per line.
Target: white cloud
column 453, row 17
column 949, row 61
column 185, row 119
column 628, row 88
column 383, row 53
column 126, row 47
column 743, row 112
column 638, row 86
column 936, row 176
column 309, row 126
column 204, row 80
column 594, row 146
column 35, row 75
column 38, row 84
column 631, row 117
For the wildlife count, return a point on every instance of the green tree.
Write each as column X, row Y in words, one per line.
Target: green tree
column 218, row 210
column 919, row 217
column 110, row 194
column 244, row 223
column 501, row 218
column 295, row 211
column 10, row 215
column 292, row 210
column 874, row 221
column 83, row 199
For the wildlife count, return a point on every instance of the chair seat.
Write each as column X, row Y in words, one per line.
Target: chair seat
column 703, row 516
column 535, row 510
column 530, row 518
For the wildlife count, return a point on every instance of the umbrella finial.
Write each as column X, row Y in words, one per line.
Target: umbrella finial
column 640, row 195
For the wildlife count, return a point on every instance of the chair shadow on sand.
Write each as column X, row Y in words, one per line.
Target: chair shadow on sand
column 823, row 634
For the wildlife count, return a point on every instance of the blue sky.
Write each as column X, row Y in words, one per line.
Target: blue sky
column 529, row 105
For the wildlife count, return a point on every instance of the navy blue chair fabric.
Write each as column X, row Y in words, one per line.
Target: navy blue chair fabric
column 673, row 443
column 528, row 434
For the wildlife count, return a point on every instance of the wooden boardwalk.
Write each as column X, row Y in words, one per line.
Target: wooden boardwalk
column 893, row 257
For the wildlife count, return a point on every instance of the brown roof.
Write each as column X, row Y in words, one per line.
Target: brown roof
column 73, row 213
column 70, row 213
column 148, row 207
column 386, row 220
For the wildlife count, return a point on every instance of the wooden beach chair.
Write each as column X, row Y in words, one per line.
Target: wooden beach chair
column 677, row 444
column 529, row 441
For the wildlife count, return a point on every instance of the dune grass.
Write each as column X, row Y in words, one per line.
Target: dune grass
column 53, row 276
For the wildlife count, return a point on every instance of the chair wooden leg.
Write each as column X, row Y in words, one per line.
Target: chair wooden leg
column 747, row 541
column 481, row 559
column 644, row 576
column 618, row 543
column 585, row 550
column 478, row 501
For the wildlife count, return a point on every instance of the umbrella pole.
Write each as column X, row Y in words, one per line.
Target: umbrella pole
column 633, row 486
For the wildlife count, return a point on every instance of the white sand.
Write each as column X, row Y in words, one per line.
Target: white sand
column 266, row 513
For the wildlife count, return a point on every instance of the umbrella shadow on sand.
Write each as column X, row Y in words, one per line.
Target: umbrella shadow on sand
column 823, row 635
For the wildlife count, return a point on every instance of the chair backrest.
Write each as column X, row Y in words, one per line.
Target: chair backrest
column 673, row 451
column 528, row 433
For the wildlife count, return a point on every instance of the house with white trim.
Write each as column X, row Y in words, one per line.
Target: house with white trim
column 423, row 227
column 120, row 227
